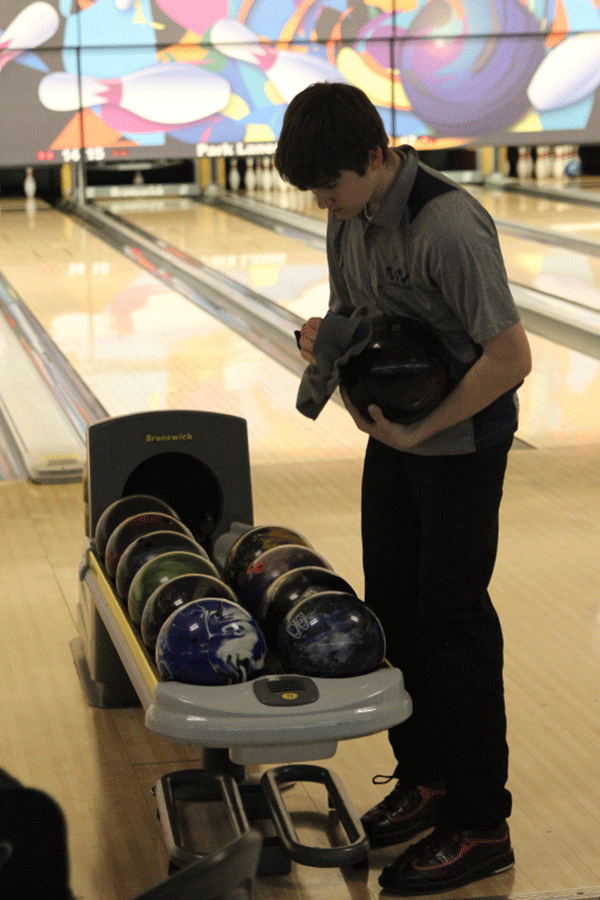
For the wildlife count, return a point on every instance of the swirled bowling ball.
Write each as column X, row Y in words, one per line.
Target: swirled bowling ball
column 249, row 547
column 136, row 527
column 174, row 594
column 212, row 642
column 331, row 635
column 269, row 566
column 405, row 370
column 146, row 548
column 288, row 590
column 461, row 74
column 160, row 570
column 122, row 509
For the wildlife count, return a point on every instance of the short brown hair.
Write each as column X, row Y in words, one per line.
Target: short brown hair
column 328, row 127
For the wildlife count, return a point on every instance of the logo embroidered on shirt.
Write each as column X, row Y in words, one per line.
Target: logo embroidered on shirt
column 396, row 276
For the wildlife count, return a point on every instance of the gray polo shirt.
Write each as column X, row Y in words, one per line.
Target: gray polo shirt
column 430, row 252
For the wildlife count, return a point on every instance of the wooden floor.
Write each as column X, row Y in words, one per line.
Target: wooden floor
column 101, row 764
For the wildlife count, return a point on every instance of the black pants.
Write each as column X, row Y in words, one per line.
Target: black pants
column 430, row 535
column 33, row 824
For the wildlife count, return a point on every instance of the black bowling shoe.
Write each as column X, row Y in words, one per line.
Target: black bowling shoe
column 448, row 859
column 403, row 814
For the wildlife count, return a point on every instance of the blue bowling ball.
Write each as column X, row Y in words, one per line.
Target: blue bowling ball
column 211, row 641
column 331, row 635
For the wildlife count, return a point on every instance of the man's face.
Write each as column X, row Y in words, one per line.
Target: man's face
column 347, row 196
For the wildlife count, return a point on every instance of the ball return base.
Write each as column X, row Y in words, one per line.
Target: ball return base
column 275, row 718
column 247, row 802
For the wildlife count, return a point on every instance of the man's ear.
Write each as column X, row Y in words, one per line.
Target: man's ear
column 376, row 158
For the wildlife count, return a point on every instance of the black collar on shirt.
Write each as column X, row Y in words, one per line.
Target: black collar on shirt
column 396, row 198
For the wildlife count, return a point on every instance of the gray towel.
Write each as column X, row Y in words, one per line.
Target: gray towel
column 338, row 338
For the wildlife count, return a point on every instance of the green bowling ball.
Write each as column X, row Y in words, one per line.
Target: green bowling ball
column 158, row 571
column 143, row 550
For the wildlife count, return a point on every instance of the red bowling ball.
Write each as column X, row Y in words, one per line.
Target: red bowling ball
column 251, row 545
column 269, row 566
column 122, row 509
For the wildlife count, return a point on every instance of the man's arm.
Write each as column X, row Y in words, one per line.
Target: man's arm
column 504, row 363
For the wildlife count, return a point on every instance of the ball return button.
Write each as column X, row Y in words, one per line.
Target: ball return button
column 285, row 690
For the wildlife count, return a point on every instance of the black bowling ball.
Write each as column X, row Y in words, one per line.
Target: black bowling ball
column 405, row 370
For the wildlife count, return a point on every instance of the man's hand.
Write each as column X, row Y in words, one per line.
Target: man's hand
column 400, row 437
column 308, row 334
column 504, row 363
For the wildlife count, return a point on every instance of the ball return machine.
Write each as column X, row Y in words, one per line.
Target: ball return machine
column 199, row 463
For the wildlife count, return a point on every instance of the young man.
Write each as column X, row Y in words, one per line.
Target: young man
column 403, row 239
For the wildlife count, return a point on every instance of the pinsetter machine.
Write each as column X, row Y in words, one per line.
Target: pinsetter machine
column 198, row 462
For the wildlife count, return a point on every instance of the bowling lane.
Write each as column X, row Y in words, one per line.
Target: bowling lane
column 274, row 265
column 551, row 269
column 583, row 190
column 543, row 264
column 139, row 345
column 558, row 401
column 532, row 263
column 557, row 215
column 550, row 207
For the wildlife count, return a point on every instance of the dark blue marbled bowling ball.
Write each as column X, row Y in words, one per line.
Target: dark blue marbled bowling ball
column 331, row 635
column 210, row 642
column 288, row 590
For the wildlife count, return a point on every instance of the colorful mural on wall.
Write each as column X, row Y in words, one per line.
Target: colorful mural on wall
column 144, row 79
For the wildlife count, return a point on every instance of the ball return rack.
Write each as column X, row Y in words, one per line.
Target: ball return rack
column 276, row 718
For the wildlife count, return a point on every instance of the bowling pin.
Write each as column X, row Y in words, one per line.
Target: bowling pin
column 568, row 73
column 524, row 163
column 31, row 210
column 558, row 166
column 267, row 179
column 279, row 183
column 34, row 25
column 543, row 163
column 29, row 185
column 289, row 72
column 138, row 178
column 275, row 176
column 234, row 175
column 259, row 175
column 168, row 93
column 250, row 177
